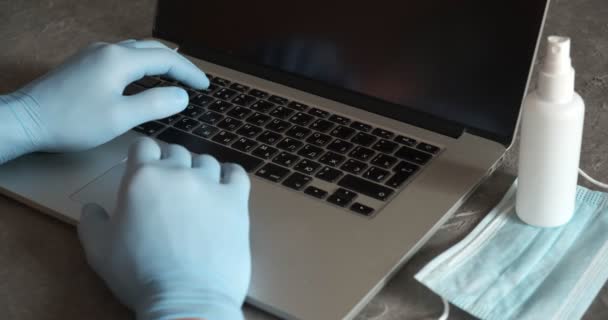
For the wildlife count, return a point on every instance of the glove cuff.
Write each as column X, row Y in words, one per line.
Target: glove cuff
column 21, row 134
column 188, row 304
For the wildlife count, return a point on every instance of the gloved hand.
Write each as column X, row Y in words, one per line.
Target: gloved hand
column 80, row 105
column 177, row 245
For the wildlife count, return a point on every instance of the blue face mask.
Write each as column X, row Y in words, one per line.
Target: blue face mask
column 506, row 269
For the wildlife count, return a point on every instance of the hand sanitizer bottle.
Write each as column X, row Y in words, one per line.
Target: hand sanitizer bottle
column 551, row 136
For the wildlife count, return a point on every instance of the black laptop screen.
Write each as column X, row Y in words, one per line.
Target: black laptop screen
column 466, row 61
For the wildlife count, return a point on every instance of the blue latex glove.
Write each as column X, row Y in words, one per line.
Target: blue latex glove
column 80, row 105
column 177, row 245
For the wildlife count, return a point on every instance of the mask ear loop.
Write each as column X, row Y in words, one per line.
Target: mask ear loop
column 593, row 181
column 446, row 310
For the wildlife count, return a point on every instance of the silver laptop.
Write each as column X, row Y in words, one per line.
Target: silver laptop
column 363, row 127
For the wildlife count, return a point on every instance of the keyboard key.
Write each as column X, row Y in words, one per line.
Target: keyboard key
column 205, row 131
column 210, row 90
column 281, row 112
column 167, row 82
column 272, row 172
column 342, row 197
column 361, row 208
column 202, row 100
column 200, row 146
column 413, row 155
column 406, row 141
column 244, row 100
column 340, row 146
column 244, row 144
column 315, row 192
column 362, row 153
column 301, row 119
column 406, row 167
column 277, row 99
column 191, row 93
column 329, row 174
column 361, row 126
column 220, row 106
column 262, row 106
column 148, row 82
column 220, row 81
column 186, row 124
column 385, row 146
column 224, row 137
column 239, row 112
column 225, row 94
column 258, row 119
column 171, row 119
column 321, row 125
column 383, row 133
column 353, row 166
column 332, row 159
column 297, row 106
column 365, row 187
column 318, row 113
column 249, row 130
column 319, row 139
column 310, row 151
column 384, row 161
column 398, row 179
column 297, row 181
column 269, row 137
column 285, row 159
column 258, row 93
column 192, row 111
column 211, row 117
column 428, row 148
column 264, row 151
column 298, row 132
column 289, row 144
column 278, row 125
column 229, row 124
column 376, row 174
column 339, row 119
column 307, row 166
column 149, row 128
column 132, row 89
column 363, row 139
column 342, row 132
column 239, row 87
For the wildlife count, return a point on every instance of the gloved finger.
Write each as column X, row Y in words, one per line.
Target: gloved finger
column 208, row 166
column 93, row 231
column 235, row 176
column 151, row 104
column 143, row 151
column 155, row 61
column 126, row 42
column 147, row 44
column 174, row 155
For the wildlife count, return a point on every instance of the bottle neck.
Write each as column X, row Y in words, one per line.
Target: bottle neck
column 556, row 88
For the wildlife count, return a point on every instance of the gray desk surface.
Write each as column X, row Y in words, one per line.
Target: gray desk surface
column 43, row 274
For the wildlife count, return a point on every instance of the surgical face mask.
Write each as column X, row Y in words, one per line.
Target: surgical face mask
column 506, row 269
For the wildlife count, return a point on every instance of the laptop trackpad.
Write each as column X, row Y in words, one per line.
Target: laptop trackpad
column 103, row 190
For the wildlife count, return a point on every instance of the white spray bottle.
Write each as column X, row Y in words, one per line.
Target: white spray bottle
column 551, row 136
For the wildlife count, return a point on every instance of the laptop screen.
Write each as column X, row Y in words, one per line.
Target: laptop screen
column 436, row 62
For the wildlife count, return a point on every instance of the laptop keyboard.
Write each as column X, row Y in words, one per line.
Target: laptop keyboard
column 326, row 156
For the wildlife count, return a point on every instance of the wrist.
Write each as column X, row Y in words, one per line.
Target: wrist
column 181, row 301
column 18, row 132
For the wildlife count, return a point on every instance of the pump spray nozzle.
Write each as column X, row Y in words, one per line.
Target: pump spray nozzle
column 556, row 78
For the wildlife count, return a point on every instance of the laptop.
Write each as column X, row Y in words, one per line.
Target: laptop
column 363, row 127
